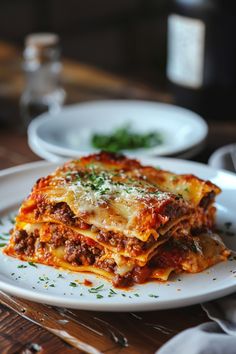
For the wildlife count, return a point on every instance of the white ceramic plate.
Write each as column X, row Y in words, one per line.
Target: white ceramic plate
column 45, row 284
column 221, row 158
column 43, row 153
column 69, row 132
column 39, row 150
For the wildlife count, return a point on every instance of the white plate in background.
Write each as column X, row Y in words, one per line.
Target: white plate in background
column 39, row 150
column 69, row 132
column 181, row 290
column 222, row 158
column 43, row 153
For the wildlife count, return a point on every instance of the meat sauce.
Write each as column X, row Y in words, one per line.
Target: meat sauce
column 62, row 213
column 81, row 251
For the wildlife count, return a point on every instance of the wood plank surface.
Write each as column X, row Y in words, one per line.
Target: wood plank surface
column 18, row 335
column 97, row 332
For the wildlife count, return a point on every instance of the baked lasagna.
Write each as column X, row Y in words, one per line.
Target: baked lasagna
column 110, row 215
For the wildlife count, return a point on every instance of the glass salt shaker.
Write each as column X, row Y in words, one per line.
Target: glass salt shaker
column 42, row 68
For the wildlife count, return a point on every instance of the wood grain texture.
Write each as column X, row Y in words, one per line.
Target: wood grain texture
column 18, row 335
column 78, row 79
column 97, row 332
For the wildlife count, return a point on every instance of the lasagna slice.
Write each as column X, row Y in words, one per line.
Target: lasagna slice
column 109, row 215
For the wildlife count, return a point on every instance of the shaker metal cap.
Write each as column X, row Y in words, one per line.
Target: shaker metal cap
column 41, row 48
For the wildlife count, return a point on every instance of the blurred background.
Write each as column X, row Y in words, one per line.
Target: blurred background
column 125, row 36
column 130, row 37
column 176, row 51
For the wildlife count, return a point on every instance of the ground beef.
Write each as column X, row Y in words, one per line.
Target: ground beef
column 56, row 240
column 175, row 210
column 24, row 243
column 172, row 253
column 196, row 231
column 108, row 264
column 61, row 212
column 122, row 281
column 132, row 245
column 59, row 234
column 138, row 275
column 80, row 253
column 141, row 274
column 207, row 200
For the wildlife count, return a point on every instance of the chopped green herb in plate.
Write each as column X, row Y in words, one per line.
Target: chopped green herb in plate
column 125, row 138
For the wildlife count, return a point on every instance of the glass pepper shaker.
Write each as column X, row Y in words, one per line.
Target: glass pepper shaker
column 42, row 67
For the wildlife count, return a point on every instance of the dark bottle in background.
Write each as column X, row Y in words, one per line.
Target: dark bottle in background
column 201, row 56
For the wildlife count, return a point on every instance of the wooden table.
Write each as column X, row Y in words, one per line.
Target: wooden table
column 88, row 331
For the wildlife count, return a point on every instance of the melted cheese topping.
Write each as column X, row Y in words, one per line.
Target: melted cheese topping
column 126, row 201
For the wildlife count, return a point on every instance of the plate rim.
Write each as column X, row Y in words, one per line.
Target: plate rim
column 114, row 306
column 220, row 152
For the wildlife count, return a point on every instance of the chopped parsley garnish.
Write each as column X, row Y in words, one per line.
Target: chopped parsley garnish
column 112, row 292
column 96, row 181
column 96, row 290
column 32, row 264
column 153, row 295
column 52, row 285
column 228, row 225
column 12, row 219
column 22, row 266
column 60, row 276
column 227, row 231
column 99, row 296
column 124, row 138
column 137, row 295
column 2, row 238
column 68, row 173
column 74, row 285
column 2, row 244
